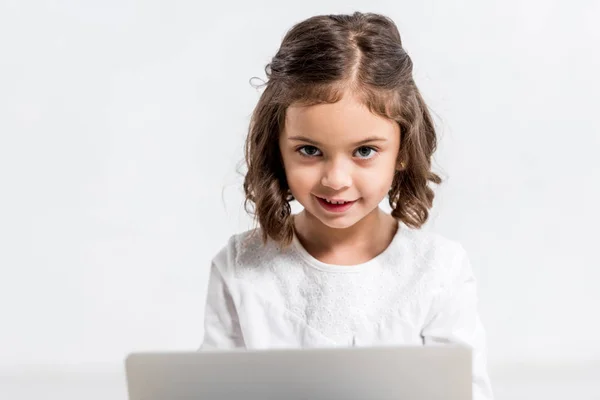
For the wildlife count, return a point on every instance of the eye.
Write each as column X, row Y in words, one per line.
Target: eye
column 309, row 151
column 366, row 152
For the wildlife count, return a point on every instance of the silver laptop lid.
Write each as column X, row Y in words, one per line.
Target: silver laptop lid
column 384, row 373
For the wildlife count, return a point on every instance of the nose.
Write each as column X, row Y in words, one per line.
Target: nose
column 337, row 175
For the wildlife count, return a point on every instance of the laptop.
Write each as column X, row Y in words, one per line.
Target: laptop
column 375, row 373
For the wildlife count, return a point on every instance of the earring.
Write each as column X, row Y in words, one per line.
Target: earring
column 289, row 196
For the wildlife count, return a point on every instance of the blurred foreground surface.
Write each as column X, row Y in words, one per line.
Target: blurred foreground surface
column 580, row 382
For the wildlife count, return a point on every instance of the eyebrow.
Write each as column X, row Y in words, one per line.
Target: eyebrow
column 369, row 139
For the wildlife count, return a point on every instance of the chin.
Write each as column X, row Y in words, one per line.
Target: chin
column 340, row 222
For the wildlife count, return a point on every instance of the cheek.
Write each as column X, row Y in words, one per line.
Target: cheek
column 302, row 179
column 373, row 186
column 377, row 181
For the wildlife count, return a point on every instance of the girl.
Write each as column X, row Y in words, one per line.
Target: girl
column 340, row 126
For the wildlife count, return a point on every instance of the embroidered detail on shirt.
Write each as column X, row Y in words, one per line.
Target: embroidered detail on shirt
column 339, row 305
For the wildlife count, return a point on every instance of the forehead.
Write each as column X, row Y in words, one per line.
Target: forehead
column 347, row 120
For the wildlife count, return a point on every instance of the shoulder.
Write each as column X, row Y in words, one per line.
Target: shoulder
column 429, row 245
column 243, row 250
column 430, row 252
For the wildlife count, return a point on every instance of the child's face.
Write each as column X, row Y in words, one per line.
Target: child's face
column 339, row 151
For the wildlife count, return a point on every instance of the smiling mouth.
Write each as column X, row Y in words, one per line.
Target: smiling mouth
column 335, row 201
column 335, row 205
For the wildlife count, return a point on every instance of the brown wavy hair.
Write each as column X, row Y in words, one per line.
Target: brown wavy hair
column 320, row 58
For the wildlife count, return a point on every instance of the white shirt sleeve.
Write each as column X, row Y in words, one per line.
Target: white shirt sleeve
column 221, row 325
column 455, row 319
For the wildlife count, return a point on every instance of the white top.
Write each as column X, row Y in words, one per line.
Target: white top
column 420, row 290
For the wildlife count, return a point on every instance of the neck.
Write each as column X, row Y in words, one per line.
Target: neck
column 316, row 235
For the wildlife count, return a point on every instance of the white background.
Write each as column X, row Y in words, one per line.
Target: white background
column 122, row 125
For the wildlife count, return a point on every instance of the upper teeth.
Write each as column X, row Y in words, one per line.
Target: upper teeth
column 336, row 202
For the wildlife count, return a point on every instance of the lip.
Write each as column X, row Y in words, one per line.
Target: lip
column 336, row 208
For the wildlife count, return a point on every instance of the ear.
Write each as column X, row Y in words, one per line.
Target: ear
column 400, row 166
